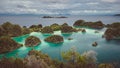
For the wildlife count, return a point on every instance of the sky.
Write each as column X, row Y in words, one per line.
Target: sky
column 75, row 7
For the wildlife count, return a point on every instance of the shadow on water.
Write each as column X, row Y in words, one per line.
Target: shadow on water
column 16, row 53
column 115, row 41
column 20, row 38
column 54, row 44
column 46, row 35
column 37, row 46
column 83, row 32
column 65, row 35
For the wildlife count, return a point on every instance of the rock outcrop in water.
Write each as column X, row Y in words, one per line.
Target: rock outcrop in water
column 94, row 25
column 47, row 30
column 64, row 24
column 94, row 44
column 70, row 38
column 32, row 41
column 113, row 25
column 8, row 29
column 54, row 39
column 7, row 44
column 67, row 29
column 13, row 30
column 25, row 31
column 78, row 23
column 35, row 28
column 55, row 27
column 83, row 30
column 113, row 31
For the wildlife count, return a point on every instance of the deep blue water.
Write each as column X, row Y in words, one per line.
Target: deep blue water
column 106, row 50
column 30, row 20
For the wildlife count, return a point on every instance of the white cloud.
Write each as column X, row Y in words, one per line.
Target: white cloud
column 92, row 3
column 59, row 6
column 88, row 12
column 109, row 0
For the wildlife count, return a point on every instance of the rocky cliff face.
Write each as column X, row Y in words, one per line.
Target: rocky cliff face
column 113, row 31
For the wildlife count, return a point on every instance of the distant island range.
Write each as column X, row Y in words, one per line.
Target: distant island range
column 54, row 17
column 117, row 15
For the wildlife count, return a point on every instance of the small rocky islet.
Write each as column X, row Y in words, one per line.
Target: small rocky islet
column 35, row 28
column 113, row 31
column 47, row 30
column 94, row 25
column 7, row 44
column 54, row 39
column 32, row 41
column 14, row 30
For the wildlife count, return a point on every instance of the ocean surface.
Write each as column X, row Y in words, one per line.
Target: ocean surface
column 30, row 20
column 107, row 51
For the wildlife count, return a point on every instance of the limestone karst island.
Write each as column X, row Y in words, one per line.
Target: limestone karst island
column 59, row 34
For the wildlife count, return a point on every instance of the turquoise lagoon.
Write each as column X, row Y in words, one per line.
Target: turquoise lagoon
column 107, row 51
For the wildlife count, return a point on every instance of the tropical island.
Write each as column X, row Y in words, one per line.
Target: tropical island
column 54, row 17
column 59, row 33
column 94, row 25
column 7, row 44
column 36, row 58
column 117, row 15
column 54, row 39
column 32, row 41
column 47, row 30
column 113, row 31
column 9, row 30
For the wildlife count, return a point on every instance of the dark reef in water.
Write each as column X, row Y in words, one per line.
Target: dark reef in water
column 67, row 29
column 54, row 39
column 94, row 25
column 7, row 44
column 32, row 41
column 9, row 29
column 55, row 27
column 35, row 28
column 46, row 30
column 113, row 31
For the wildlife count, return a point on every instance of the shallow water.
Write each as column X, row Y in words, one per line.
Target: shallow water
column 106, row 50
